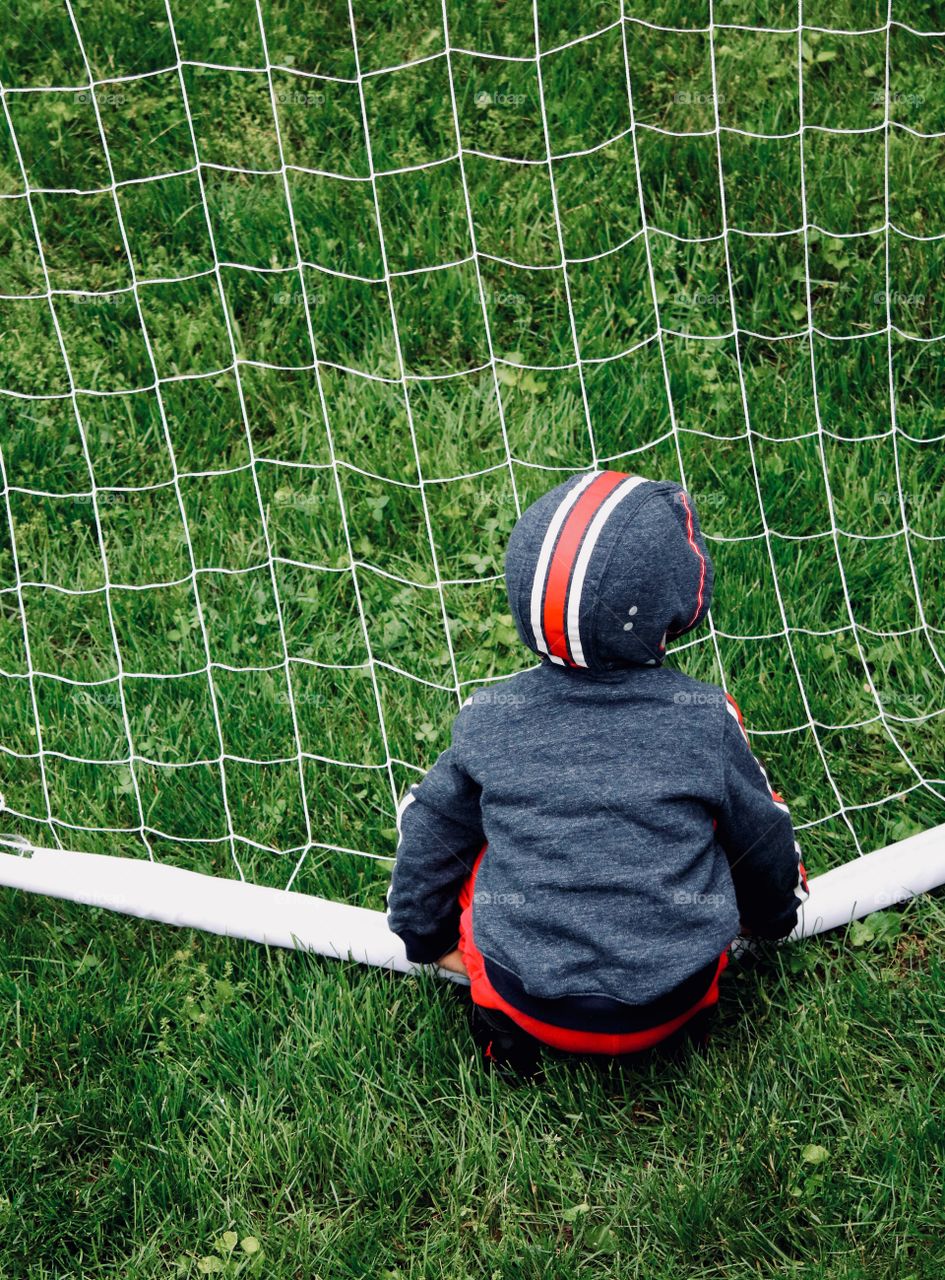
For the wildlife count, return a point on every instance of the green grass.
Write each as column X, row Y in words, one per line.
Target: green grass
column 331, row 1113
column 162, row 1088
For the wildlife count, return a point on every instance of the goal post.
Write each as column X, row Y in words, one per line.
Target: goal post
column 304, row 307
column 282, row 918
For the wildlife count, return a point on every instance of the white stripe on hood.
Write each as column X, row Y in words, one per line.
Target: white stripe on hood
column 583, row 560
column 544, row 560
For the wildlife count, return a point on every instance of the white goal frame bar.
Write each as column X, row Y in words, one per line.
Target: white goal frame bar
column 284, row 918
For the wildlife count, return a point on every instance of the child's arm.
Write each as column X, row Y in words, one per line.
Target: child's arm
column 440, row 826
column 754, row 828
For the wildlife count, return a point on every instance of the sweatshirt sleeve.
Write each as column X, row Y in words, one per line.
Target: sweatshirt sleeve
column 439, row 824
column 754, row 828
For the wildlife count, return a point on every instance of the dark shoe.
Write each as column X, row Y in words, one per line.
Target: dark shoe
column 692, row 1036
column 504, row 1047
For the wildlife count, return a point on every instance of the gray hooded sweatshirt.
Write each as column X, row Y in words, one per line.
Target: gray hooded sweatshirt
column 629, row 829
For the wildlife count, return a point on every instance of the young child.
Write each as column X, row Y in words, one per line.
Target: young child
column 599, row 831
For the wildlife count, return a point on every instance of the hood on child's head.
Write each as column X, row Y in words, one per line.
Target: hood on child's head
column 606, row 568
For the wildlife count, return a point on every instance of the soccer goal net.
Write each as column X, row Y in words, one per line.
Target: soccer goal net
column 302, row 304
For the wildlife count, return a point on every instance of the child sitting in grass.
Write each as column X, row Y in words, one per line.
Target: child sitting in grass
column 599, row 831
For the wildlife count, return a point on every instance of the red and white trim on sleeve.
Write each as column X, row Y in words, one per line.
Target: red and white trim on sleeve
column 801, row 889
column 569, row 541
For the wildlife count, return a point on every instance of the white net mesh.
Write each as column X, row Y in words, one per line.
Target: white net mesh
column 302, row 308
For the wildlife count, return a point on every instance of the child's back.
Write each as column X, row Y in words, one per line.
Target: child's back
column 627, row 827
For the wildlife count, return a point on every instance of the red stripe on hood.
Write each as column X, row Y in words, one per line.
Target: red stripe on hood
column 565, row 554
column 700, row 594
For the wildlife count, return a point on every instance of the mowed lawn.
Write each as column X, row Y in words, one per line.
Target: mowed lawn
column 286, row 343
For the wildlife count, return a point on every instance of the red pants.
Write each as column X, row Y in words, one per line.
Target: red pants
column 484, row 994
